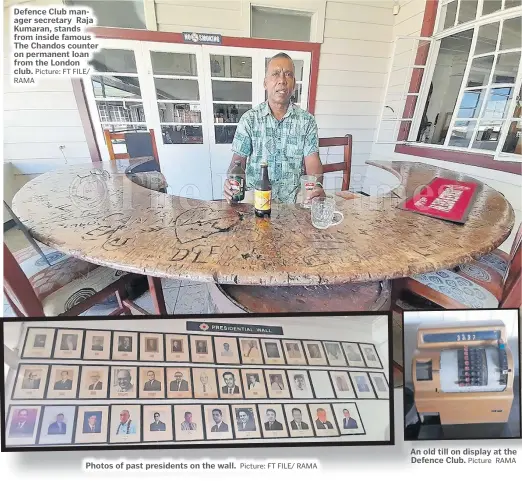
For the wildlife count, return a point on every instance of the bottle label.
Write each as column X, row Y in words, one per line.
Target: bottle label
column 236, row 184
column 262, row 200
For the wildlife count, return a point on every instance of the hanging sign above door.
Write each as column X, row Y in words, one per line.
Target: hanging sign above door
column 209, row 38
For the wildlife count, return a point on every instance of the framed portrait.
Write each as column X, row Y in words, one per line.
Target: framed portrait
column 273, row 423
column 38, row 343
column 97, row 345
column 179, row 382
column 300, row 384
column 246, row 421
column 348, row 418
column 323, row 420
column 362, row 385
column 322, row 384
column 250, row 350
column 188, row 422
column 334, row 353
column 298, row 418
column 177, row 348
column 68, row 344
column 201, row 349
column 277, row 384
column 272, row 351
column 57, row 425
column 204, row 382
column 151, row 347
column 22, row 425
column 229, row 381
column 226, row 350
column 94, row 382
column 30, row 382
column 63, row 382
column 157, row 423
column 353, row 354
column 152, row 382
column 254, row 384
column 315, row 353
column 125, row 423
column 294, row 352
column 91, row 425
column 124, row 380
column 370, row 356
column 342, row 385
column 380, row 385
column 124, row 346
column 217, row 421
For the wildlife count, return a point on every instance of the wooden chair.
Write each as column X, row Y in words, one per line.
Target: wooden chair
column 68, row 287
column 346, row 164
column 136, row 149
column 492, row 281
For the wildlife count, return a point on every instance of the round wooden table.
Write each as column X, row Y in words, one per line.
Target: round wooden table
column 96, row 213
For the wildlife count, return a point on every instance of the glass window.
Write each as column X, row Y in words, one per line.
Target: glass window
column 230, row 67
column 449, row 15
column 498, row 102
column 512, row 3
column 224, row 133
column 480, row 71
column 115, row 13
column 179, row 113
column 114, row 111
column 511, row 33
column 281, row 24
column 507, row 68
column 176, row 89
column 229, row 113
column 231, row 91
column 444, row 88
column 114, row 60
column 488, row 135
column 471, row 104
column 167, row 63
column 462, row 133
column 123, row 128
column 487, row 38
column 467, row 10
column 491, row 6
column 182, row 134
column 108, row 86
column 513, row 142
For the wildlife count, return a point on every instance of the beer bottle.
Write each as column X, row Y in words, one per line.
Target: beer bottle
column 236, row 177
column 263, row 194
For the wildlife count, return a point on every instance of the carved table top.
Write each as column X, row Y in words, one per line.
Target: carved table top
column 106, row 219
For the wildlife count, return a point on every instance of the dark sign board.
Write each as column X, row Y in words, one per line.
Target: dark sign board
column 210, row 38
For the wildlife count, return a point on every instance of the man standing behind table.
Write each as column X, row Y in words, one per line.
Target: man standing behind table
column 279, row 133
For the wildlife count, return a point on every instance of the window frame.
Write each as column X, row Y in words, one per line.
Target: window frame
column 436, row 37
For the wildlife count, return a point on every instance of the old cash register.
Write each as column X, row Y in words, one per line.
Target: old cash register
column 465, row 375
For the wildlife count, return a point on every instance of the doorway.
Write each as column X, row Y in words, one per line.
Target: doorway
column 191, row 95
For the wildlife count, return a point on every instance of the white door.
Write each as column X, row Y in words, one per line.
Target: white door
column 191, row 95
column 234, row 83
column 175, row 81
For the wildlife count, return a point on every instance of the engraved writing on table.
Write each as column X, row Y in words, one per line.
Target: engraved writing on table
column 103, row 217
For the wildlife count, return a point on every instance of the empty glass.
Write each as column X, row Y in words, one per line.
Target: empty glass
column 307, row 185
column 323, row 213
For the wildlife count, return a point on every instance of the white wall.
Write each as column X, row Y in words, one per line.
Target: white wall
column 413, row 320
column 39, row 119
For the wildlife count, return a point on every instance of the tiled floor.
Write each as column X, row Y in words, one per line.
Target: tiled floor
column 181, row 297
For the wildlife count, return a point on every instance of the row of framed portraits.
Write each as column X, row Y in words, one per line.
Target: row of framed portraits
column 128, row 423
column 51, row 343
column 74, row 381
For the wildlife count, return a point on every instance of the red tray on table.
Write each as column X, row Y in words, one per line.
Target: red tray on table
column 445, row 199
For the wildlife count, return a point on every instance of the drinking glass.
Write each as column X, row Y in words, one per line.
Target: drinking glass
column 307, row 185
column 323, row 212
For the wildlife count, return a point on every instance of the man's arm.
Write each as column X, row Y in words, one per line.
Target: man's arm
column 241, row 148
column 312, row 161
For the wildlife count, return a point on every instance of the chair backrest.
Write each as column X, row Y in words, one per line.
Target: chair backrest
column 139, row 144
column 346, row 165
column 512, row 293
column 18, row 290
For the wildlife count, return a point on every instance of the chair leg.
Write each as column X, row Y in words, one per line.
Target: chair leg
column 120, row 296
column 156, row 292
